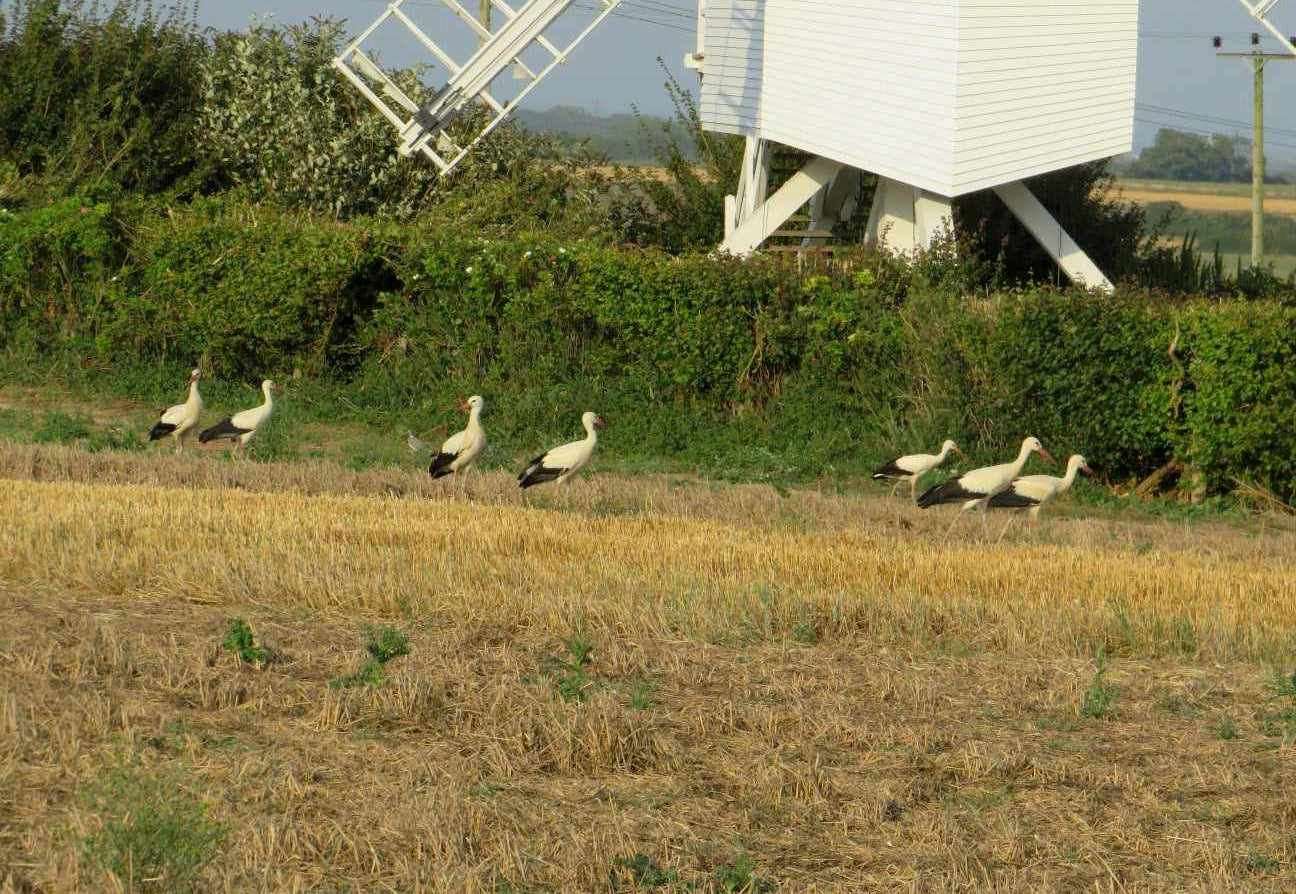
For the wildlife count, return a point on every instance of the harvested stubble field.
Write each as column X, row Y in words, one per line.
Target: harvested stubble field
column 783, row 690
column 1207, row 197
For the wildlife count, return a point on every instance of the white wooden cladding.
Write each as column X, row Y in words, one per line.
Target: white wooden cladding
column 951, row 96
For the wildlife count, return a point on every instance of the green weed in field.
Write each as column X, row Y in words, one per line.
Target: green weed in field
column 155, row 835
column 383, row 644
column 1099, row 699
column 239, row 640
column 739, row 877
column 642, row 872
column 570, row 672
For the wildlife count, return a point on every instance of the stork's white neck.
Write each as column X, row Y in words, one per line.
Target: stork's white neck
column 944, row 452
column 591, row 433
column 1022, row 456
column 269, row 400
column 1073, row 469
column 194, row 396
column 474, row 416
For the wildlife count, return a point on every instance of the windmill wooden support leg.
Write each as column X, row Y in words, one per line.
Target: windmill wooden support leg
column 833, row 204
column 774, row 212
column 906, row 219
column 753, row 183
column 933, row 218
column 1052, row 238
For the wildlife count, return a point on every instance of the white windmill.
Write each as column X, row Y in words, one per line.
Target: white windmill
column 1260, row 11
column 939, row 98
column 523, row 44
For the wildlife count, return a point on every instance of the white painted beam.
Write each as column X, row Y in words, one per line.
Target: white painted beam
column 933, row 218
column 893, row 223
column 753, row 179
column 800, row 188
column 1052, row 238
column 833, row 204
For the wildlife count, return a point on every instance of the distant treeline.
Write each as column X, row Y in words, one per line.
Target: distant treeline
column 628, row 138
column 1176, row 155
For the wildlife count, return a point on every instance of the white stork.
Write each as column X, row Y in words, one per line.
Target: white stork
column 561, row 463
column 178, row 420
column 461, row 448
column 1034, row 491
column 977, row 488
column 243, row 425
column 912, row 467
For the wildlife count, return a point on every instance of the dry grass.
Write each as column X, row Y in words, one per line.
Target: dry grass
column 854, row 705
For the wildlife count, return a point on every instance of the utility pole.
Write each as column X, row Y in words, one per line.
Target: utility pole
column 1259, row 58
column 1258, row 168
column 484, row 15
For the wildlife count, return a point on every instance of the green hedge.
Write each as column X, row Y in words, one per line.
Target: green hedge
column 1240, row 401
column 714, row 363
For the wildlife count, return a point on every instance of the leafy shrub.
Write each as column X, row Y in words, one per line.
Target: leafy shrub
column 55, row 264
column 1082, row 200
column 1089, row 373
column 279, row 297
column 287, row 129
column 62, row 428
column 118, row 91
column 570, row 672
column 1239, row 419
column 155, row 835
column 1099, row 700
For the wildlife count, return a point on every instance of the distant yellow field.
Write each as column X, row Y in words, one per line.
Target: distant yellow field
column 1220, row 197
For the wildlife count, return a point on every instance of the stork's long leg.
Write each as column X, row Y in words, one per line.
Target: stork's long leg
column 896, row 488
column 1011, row 519
column 985, row 511
column 957, row 516
column 913, row 489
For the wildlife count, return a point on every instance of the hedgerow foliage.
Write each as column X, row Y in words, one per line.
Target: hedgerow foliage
column 870, row 356
column 283, row 126
column 95, row 99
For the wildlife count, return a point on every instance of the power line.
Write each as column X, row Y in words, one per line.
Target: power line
column 619, row 14
column 662, row 8
column 1186, row 128
column 1210, row 119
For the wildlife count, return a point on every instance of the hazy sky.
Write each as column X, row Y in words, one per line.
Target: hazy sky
column 617, row 66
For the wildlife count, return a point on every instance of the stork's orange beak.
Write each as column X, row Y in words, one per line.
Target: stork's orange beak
column 598, row 422
column 1046, row 455
column 1085, row 468
column 463, row 405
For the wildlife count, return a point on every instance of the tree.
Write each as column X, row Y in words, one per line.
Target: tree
column 1184, row 156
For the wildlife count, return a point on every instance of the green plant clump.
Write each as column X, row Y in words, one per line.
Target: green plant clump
column 383, row 644
column 240, row 641
column 740, row 877
column 1099, row 700
column 570, row 672
column 155, row 835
